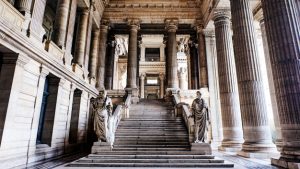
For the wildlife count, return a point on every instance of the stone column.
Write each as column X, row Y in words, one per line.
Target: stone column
column 102, row 53
column 24, row 6
column 36, row 29
column 110, row 63
column 278, row 140
column 252, row 98
column 214, row 96
column 88, row 39
column 142, row 77
column 203, row 76
column 194, row 66
column 283, row 30
column 230, row 104
column 162, row 85
column 70, row 28
column 182, row 75
column 94, row 53
column 171, row 26
column 134, row 25
column 81, row 38
column 61, row 23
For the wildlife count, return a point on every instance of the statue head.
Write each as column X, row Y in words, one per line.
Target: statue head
column 198, row 94
column 102, row 94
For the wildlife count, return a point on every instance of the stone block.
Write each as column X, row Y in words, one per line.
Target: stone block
column 204, row 148
column 101, row 146
column 284, row 163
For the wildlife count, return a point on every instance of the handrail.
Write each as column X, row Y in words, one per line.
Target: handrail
column 114, row 120
column 182, row 109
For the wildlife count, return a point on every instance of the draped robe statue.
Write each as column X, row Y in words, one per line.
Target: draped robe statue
column 201, row 117
column 102, row 108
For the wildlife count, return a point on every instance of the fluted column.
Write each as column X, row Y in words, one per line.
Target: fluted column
column 171, row 26
column 230, row 104
column 162, row 85
column 81, row 38
column 252, row 99
column 71, row 26
column 110, row 63
column 203, row 76
column 134, row 25
column 102, row 53
column 88, row 39
column 61, row 23
column 142, row 77
column 278, row 141
column 283, row 30
column 94, row 53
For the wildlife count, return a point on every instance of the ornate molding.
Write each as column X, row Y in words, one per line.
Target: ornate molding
column 221, row 14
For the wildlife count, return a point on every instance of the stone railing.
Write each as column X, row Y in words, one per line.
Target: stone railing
column 122, row 111
column 55, row 51
column 10, row 16
column 182, row 109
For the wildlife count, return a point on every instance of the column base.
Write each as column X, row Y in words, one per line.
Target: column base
column 259, row 154
column 285, row 163
column 231, row 146
column 134, row 94
column 78, row 70
column 229, row 149
column 203, row 148
column 92, row 81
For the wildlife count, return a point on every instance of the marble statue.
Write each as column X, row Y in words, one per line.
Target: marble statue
column 102, row 108
column 201, row 117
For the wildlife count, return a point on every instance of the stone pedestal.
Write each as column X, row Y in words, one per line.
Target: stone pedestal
column 100, row 147
column 204, row 148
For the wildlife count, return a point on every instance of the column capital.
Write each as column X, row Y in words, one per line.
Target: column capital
column 171, row 24
column 142, row 76
column 199, row 25
column 259, row 16
column 134, row 23
column 223, row 14
column 104, row 24
column 161, row 76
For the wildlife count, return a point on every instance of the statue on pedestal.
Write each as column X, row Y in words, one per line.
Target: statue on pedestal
column 201, row 117
column 102, row 109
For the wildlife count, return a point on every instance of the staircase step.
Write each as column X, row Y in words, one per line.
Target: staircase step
column 182, row 156
column 138, row 152
column 88, row 160
column 173, row 165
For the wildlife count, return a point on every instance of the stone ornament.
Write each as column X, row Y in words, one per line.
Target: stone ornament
column 201, row 117
column 102, row 109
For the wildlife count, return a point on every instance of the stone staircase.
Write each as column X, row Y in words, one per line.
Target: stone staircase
column 151, row 137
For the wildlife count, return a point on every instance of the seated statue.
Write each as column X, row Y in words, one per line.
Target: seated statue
column 201, row 117
column 102, row 109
